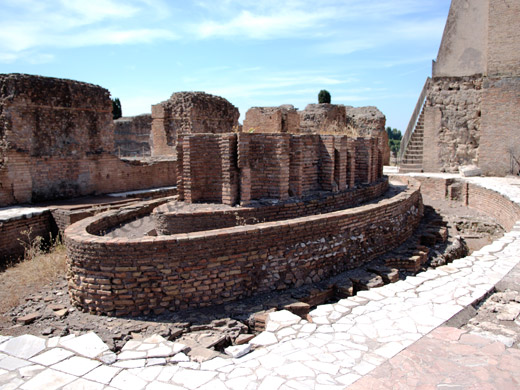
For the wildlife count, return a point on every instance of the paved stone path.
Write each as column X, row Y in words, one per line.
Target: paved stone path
column 363, row 338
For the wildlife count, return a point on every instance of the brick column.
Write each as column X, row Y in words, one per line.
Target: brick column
column 327, row 162
column 228, row 152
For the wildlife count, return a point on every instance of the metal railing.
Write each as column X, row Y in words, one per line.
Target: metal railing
column 413, row 120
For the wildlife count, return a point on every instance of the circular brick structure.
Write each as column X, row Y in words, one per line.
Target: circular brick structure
column 123, row 276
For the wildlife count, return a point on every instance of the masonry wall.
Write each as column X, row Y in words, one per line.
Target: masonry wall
column 133, row 277
column 504, row 38
column 59, row 143
column 231, row 168
column 189, row 113
column 168, row 220
column 283, row 119
column 132, row 136
column 488, row 201
column 263, row 160
column 499, row 152
column 456, row 142
column 18, row 233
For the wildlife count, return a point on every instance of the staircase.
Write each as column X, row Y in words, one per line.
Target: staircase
column 411, row 152
column 413, row 156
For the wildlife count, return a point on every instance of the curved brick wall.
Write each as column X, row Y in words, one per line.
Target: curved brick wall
column 468, row 193
column 137, row 276
column 172, row 222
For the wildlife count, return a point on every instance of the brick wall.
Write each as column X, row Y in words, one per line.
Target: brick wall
column 27, row 179
column 272, row 166
column 132, row 277
column 504, row 38
column 60, row 143
column 283, row 119
column 17, row 232
column 492, row 203
column 263, row 160
column 168, row 220
column 189, row 113
column 132, row 136
column 499, row 141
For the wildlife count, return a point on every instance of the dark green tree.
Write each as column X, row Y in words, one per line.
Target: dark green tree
column 324, row 96
column 117, row 111
column 394, row 139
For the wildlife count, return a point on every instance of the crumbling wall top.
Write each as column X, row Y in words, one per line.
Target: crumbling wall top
column 323, row 118
column 53, row 92
column 365, row 121
column 44, row 116
column 196, row 105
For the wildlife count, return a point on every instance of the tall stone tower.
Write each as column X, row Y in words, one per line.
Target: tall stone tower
column 469, row 111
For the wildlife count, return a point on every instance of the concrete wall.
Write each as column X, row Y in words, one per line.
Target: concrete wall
column 463, row 50
column 504, row 38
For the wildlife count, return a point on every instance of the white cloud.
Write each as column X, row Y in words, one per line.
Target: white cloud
column 249, row 25
column 27, row 26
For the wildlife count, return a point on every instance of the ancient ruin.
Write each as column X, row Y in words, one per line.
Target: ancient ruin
column 58, row 142
column 132, row 136
column 468, row 112
column 189, row 113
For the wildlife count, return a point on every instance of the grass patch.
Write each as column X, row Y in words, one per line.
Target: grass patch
column 38, row 268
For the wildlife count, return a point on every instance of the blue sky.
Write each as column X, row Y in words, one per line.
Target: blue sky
column 253, row 53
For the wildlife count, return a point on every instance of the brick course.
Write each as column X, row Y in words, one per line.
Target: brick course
column 168, row 220
column 138, row 276
column 231, row 168
column 58, row 142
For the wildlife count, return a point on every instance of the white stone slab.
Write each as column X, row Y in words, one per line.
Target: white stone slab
column 103, row 374
column 83, row 384
column 23, row 347
column 237, row 351
column 11, row 363
column 88, row 345
column 264, row 339
column 193, row 379
column 76, row 365
column 127, row 381
column 48, row 380
column 52, row 356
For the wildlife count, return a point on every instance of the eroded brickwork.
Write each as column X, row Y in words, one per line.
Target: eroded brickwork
column 127, row 277
column 324, row 119
column 132, row 136
column 214, row 167
column 190, row 113
column 283, row 119
column 59, row 137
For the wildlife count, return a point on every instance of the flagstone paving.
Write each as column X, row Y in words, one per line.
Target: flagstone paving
column 366, row 341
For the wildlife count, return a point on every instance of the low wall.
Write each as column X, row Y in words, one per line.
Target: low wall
column 17, row 231
column 170, row 221
column 119, row 276
column 467, row 193
column 26, row 179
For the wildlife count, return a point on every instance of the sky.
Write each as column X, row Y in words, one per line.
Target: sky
column 251, row 52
